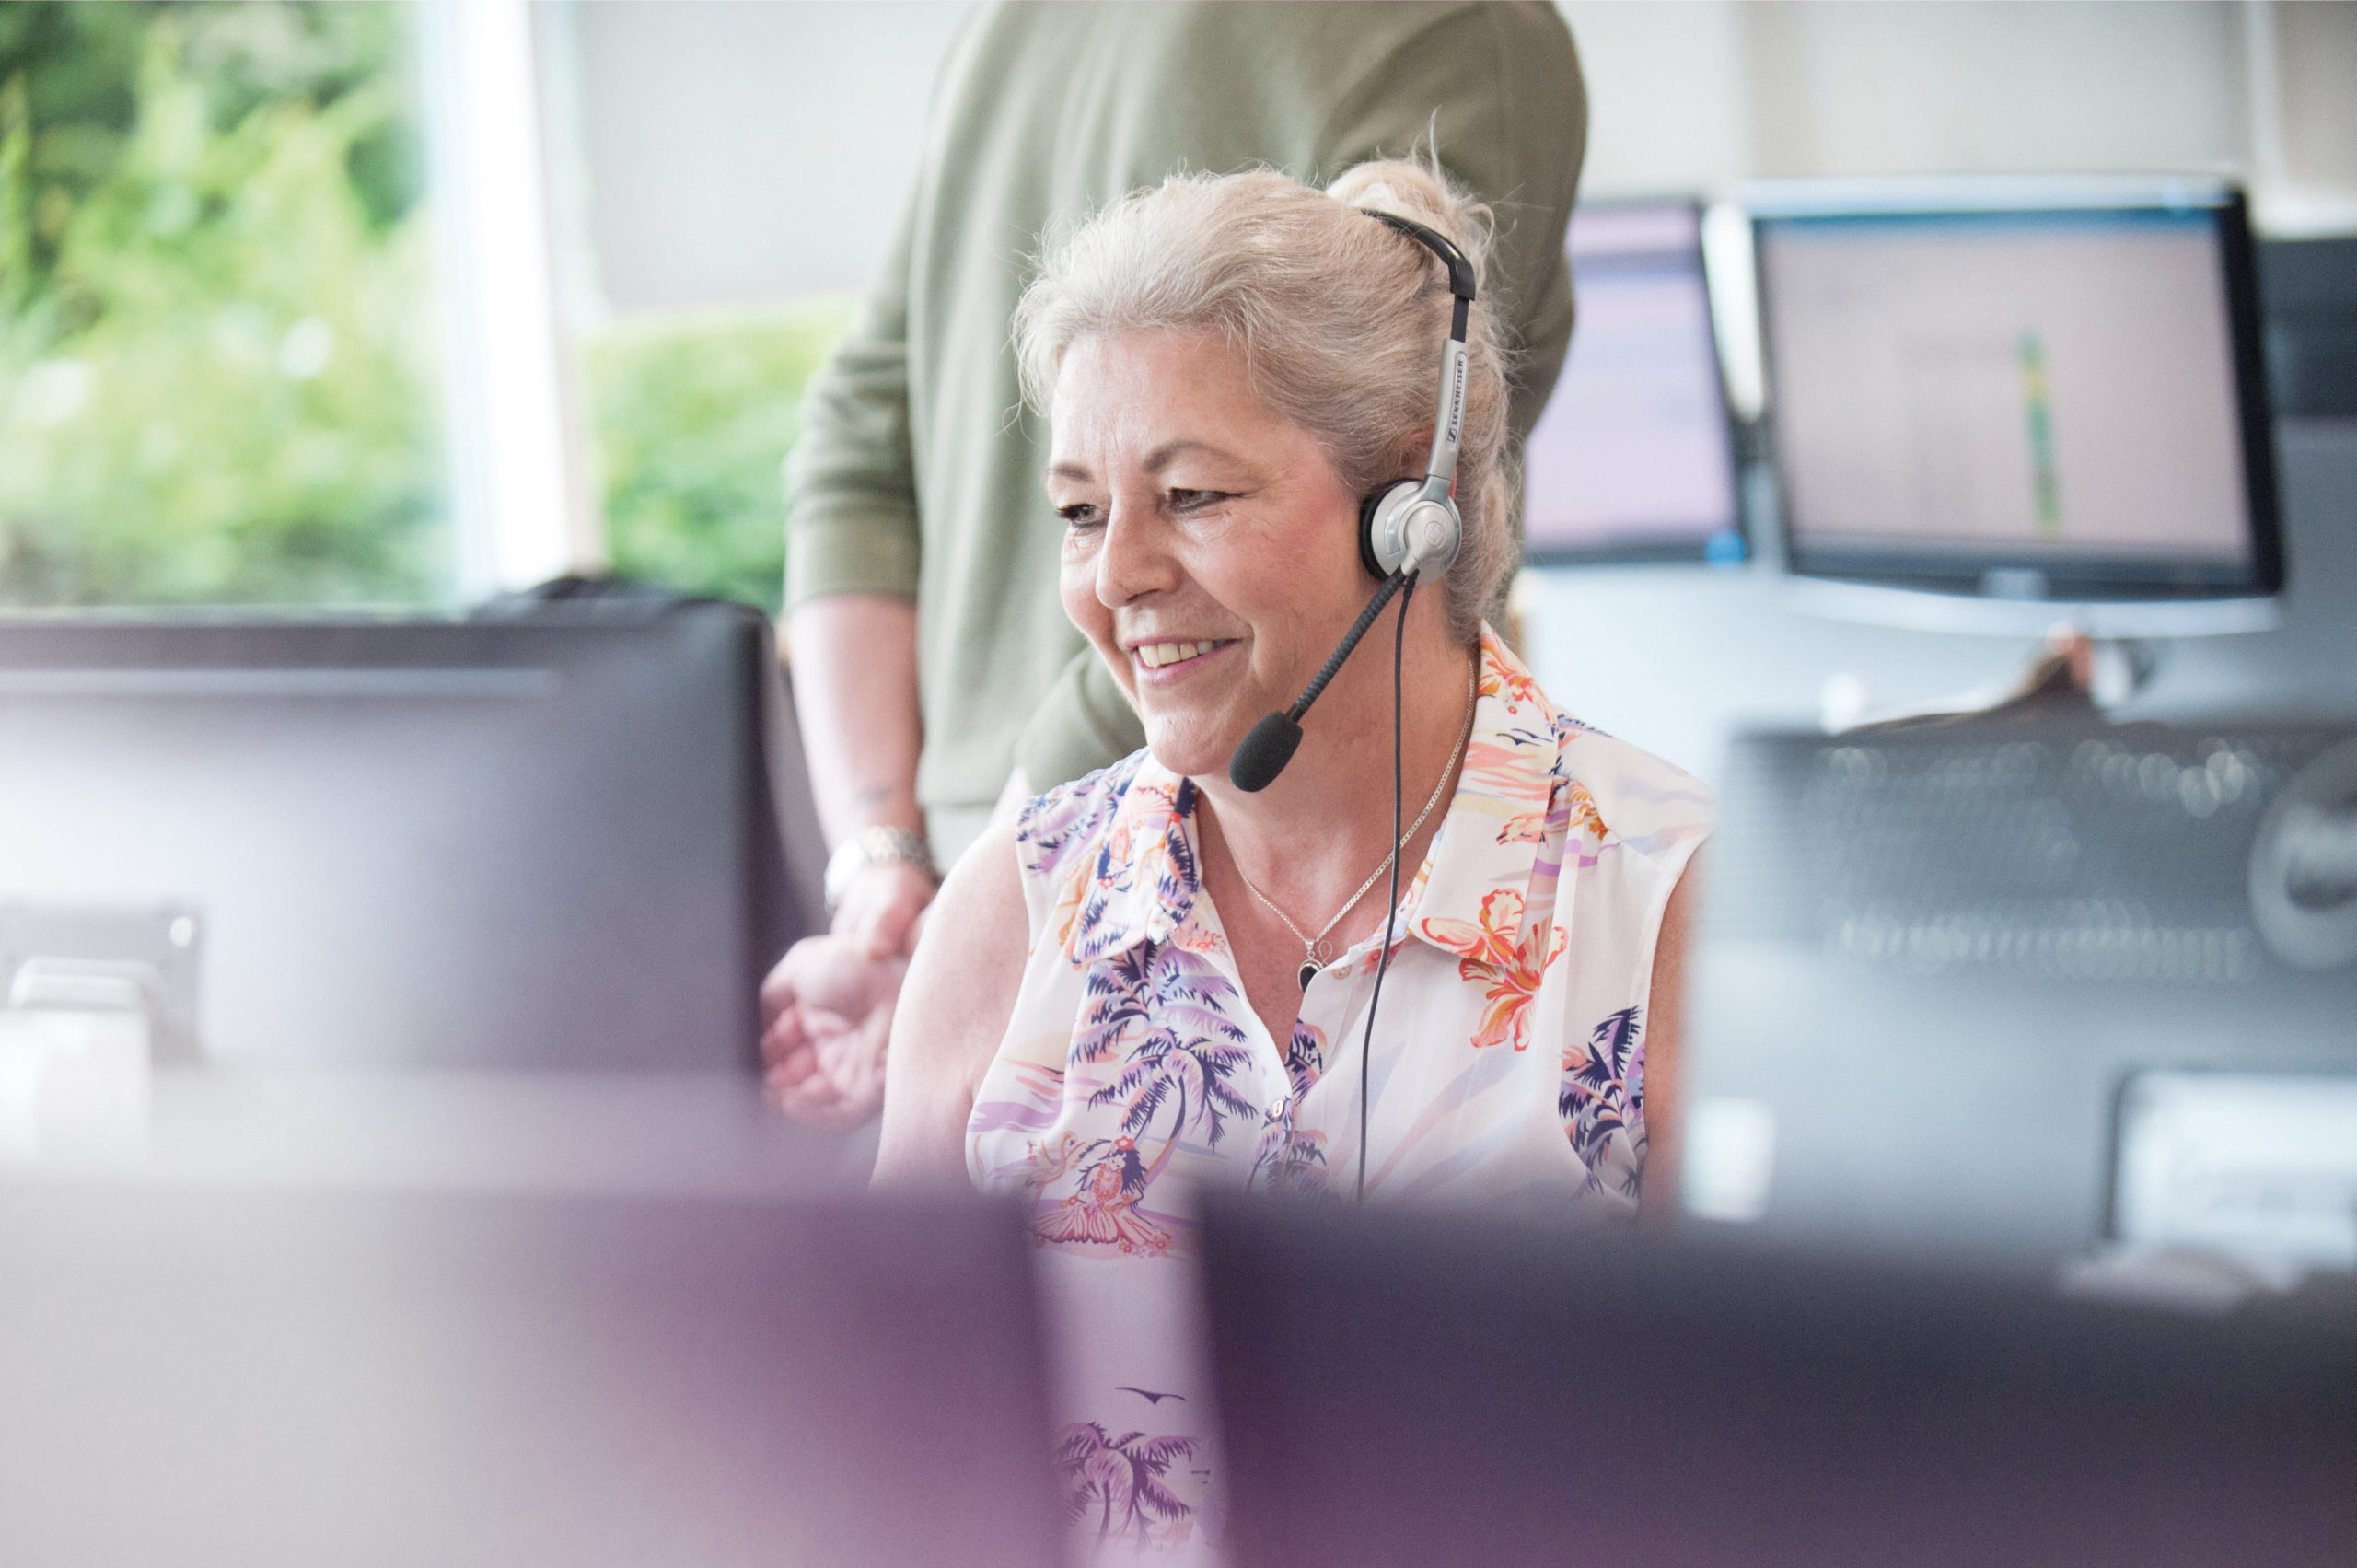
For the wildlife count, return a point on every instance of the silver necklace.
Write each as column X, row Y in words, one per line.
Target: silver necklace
column 1313, row 953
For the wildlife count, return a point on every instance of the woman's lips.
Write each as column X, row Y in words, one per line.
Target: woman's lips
column 1174, row 659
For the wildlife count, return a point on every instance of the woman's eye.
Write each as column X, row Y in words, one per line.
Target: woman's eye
column 1195, row 500
column 1080, row 515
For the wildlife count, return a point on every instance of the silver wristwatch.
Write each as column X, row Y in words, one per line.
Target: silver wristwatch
column 873, row 847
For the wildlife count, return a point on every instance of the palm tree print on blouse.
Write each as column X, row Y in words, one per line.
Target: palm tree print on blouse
column 1167, row 1004
column 1189, row 1054
column 1120, row 1479
column 1290, row 1159
column 1596, row 1099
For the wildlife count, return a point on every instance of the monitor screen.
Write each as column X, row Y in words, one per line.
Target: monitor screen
column 1633, row 459
column 1977, row 394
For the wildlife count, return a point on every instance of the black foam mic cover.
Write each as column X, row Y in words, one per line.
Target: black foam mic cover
column 1254, row 765
column 1265, row 752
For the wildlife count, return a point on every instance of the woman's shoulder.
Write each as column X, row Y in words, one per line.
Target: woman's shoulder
column 1650, row 804
column 1061, row 823
column 1647, row 803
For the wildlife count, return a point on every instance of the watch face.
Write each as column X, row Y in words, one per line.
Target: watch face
column 873, row 847
column 848, row 861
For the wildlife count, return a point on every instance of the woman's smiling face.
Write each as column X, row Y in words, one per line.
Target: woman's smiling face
column 1209, row 549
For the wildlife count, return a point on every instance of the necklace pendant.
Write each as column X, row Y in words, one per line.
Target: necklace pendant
column 1308, row 968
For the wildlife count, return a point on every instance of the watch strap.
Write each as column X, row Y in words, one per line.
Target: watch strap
column 873, row 846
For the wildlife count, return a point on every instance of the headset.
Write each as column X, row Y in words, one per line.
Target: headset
column 1408, row 531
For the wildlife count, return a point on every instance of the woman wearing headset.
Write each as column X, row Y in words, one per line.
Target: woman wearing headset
column 1157, row 978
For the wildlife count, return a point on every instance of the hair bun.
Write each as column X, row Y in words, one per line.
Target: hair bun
column 1409, row 189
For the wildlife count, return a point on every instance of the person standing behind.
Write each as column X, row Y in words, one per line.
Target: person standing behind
column 933, row 669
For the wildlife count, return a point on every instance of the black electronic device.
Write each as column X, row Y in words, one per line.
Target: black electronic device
column 1931, row 957
column 1995, row 403
column 543, row 839
column 1415, row 1388
column 2308, row 288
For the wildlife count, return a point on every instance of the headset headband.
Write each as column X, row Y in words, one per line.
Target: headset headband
column 1448, row 420
column 1460, row 271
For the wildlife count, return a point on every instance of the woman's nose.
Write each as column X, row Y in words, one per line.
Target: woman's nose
column 1135, row 560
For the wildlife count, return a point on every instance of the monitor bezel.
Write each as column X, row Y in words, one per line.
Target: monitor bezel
column 1631, row 552
column 1959, row 597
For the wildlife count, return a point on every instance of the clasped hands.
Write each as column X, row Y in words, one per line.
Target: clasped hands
column 827, row 1007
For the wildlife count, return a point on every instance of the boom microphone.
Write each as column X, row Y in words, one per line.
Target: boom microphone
column 1265, row 751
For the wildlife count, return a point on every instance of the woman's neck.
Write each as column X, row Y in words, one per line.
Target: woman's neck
column 1309, row 841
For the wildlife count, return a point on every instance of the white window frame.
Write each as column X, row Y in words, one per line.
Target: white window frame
column 520, row 504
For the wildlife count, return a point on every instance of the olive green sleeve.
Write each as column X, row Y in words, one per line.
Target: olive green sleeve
column 851, row 500
column 1084, row 724
column 1496, row 88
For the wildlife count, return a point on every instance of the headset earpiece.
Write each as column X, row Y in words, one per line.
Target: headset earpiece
column 1408, row 521
column 1368, row 511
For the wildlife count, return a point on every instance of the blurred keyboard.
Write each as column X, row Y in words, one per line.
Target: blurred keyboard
column 2060, row 849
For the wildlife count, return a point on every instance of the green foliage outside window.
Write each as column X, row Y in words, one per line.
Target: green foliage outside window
column 218, row 370
column 692, row 417
column 217, row 366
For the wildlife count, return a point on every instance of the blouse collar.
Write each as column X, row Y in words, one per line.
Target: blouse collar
column 1486, row 888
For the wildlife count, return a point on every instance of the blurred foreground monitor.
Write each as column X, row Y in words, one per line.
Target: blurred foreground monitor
column 1633, row 458
column 1995, row 403
column 545, row 839
column 1990, row 985
column 266, row 1378
column 1413, row 1389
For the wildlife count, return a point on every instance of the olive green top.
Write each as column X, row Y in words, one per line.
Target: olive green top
column 918, row 471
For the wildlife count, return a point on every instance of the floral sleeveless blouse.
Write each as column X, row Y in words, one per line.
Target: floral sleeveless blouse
column 1507, row 1067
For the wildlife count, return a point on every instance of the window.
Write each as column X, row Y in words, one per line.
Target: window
column 218, row 353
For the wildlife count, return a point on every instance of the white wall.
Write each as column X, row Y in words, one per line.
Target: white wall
column 2303, row 86
column 742, row 153
column 731, row 153
column 1693, row 95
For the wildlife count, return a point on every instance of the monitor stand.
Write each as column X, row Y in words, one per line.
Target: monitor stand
column 2073, row 676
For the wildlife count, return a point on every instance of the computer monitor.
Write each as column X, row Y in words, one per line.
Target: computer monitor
column 540, row 841
column 1934, row 958
column 280, row 1376
column 1401, row 1389
column 1994, row 404
column 1633, row 458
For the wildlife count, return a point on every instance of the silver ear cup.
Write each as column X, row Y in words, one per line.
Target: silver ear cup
column 1409, row 524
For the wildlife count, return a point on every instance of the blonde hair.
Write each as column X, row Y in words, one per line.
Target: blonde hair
column 1340, row 320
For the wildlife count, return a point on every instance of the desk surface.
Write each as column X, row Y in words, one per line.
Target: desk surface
column 408, row 1130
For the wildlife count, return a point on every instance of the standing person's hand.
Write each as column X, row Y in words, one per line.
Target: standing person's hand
column 827, row 1007
column 826, row 1014
column 882, row 910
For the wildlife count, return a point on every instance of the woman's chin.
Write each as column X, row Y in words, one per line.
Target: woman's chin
column 1191, row 749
